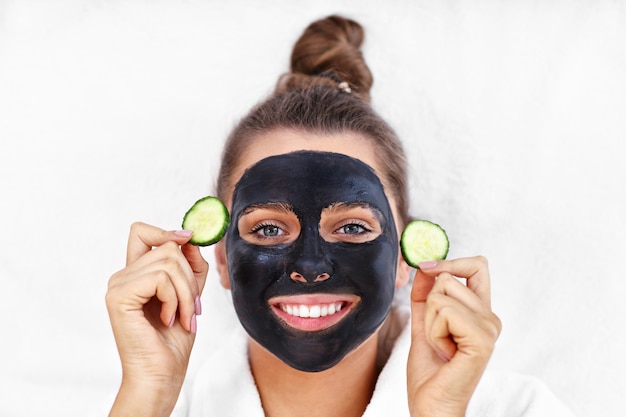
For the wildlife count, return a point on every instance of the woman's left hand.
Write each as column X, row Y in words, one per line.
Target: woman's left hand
column 453, row 335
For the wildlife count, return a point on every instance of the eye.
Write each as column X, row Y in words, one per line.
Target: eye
column 353, row 229
column 350, row 223
column 269, row 224
column 267, row 230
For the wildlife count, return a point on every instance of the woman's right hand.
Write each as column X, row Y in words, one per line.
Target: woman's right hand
column 153, row 303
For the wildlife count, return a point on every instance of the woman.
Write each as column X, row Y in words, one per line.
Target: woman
column 315, row 182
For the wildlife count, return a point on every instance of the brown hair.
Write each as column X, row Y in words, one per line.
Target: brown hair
column 313, row 98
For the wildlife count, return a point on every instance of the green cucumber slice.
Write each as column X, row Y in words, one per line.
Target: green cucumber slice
column 423, row 241
column 208, row 218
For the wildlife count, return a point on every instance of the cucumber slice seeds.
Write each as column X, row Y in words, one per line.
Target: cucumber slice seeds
column 423, row 241
column 208, row 218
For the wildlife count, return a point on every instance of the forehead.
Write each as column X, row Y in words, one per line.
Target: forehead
column 309, row 179
column 284, row 141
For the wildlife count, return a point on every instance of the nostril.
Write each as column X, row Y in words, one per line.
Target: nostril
column 322, row 277
column 295, row 276
column 298, row 277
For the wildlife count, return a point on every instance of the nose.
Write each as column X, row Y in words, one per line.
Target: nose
column 297, row 276
column 312, row 264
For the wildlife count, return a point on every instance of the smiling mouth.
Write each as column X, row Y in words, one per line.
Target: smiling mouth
column 313, row 312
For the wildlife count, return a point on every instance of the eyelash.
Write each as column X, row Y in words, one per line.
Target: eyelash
column 360, row 224
column 256, row 229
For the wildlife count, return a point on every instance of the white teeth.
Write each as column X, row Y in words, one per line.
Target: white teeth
column 324, row 311
column 313, row 311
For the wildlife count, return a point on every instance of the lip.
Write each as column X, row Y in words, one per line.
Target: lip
column 321, row 306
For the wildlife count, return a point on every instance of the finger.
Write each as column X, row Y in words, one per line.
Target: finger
column 124, row 295
column 423, row 360
column 166, row 293
column 438, row 334
column 460, row 325
column 422, row 285
column 449, row 287
column 472, row 335
column 144, row 237
column 198, row 264
column 166, row 251
column 474, row 269
column 184, row 282
column 168, row 259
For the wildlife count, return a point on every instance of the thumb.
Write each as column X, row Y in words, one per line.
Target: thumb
column 422, row 285
column 423, row 360
column 198, row 264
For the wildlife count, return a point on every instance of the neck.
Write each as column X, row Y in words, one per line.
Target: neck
column 343, row 390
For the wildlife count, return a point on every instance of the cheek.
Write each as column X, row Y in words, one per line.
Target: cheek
column 371, row 266
column 253, row 269
column 221, row 264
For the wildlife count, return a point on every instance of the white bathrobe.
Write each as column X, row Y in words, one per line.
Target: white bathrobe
column 224, row 385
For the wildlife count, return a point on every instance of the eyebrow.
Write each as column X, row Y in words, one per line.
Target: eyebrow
column 349, row 205
column 274, row 205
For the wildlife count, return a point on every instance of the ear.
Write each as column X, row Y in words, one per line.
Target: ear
column 403, row 273
column 222, row 264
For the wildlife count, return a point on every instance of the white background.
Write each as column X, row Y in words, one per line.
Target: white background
column 513, row 115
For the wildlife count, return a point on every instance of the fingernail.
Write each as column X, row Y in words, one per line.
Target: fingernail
column 172, row 320
column 194, row 324
column 183, row 233
column 198, row 305
column 427, row 265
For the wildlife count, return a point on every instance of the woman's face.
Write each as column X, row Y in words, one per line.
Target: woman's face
column 313, row 247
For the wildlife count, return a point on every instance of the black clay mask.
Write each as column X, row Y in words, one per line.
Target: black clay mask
column 312, row 254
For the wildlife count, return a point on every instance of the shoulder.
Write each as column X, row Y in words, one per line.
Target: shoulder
column 512, row 394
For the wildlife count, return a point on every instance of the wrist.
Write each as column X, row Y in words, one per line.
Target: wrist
column 438, row 412
column 437, row 405
column 136, row 398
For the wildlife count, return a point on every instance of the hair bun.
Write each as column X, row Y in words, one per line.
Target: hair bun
column 327, row 53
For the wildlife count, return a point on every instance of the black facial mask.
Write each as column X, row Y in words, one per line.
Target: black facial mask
column 309, row 182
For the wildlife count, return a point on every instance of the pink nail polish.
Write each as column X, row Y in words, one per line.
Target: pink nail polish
column 172, row 320
column 198, row 305
column 427, row 265
column 194, row 324
column 183, row 233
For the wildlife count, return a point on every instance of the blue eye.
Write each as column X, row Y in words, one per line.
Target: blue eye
column 271, row 231
column 267, row 230
column 352, row 229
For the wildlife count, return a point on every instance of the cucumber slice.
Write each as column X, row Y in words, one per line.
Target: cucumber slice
column 208, row 218
column 423, row 241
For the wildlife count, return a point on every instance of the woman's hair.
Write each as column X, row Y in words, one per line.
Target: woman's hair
column 326, row 92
